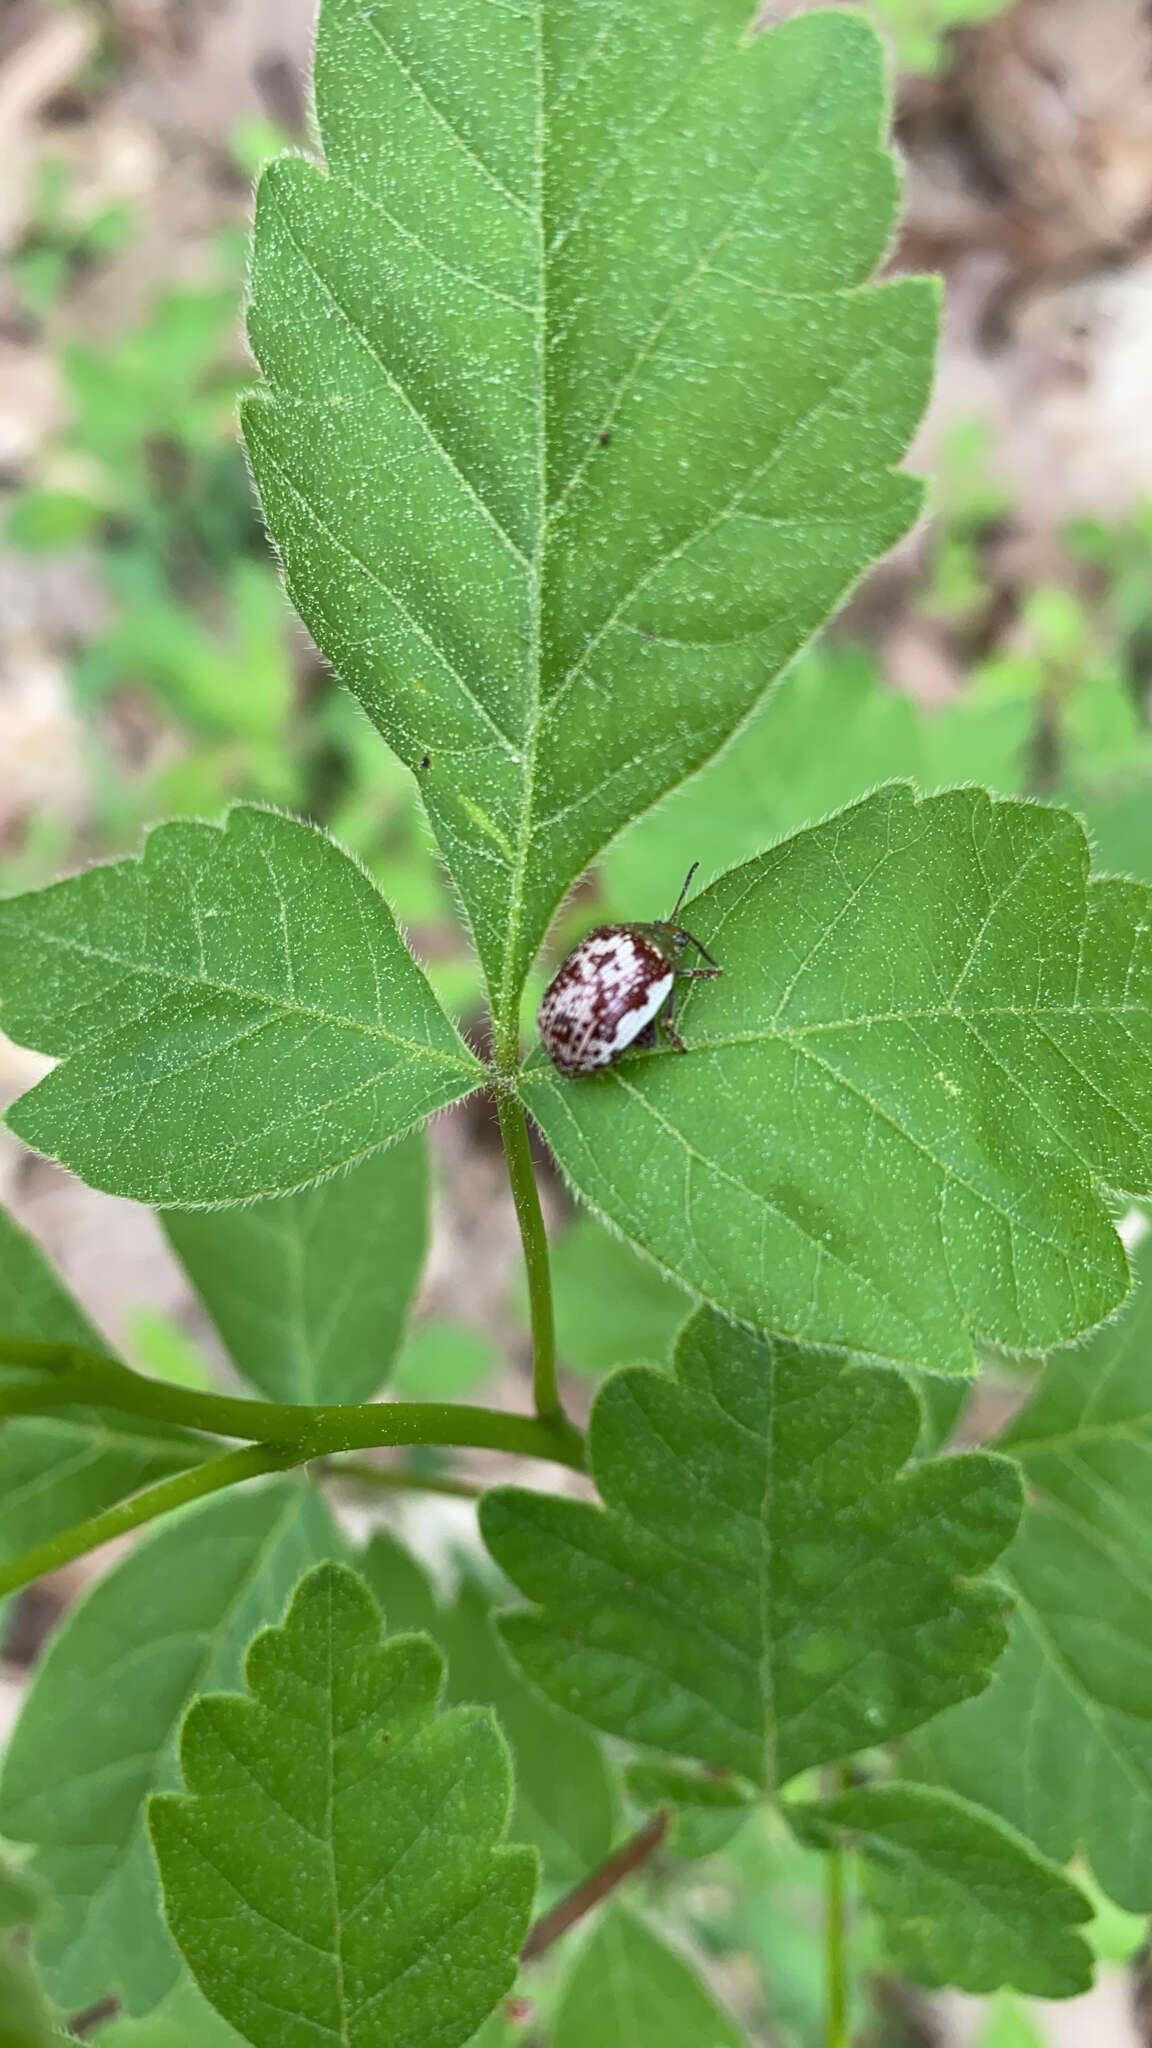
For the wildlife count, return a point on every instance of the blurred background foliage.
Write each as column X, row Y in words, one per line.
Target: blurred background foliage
column 149, row 666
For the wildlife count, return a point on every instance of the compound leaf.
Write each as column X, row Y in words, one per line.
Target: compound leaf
column 311, row 1293
column 577, row 418
column 924, row 996
column 964, row 1899
column 567, row 1813
column 764, row 1589
column 335, row 1867
column 244, row 983
column 630, row 1989
column 1061, row 1744
column 58, row 1468
column 99, row 1725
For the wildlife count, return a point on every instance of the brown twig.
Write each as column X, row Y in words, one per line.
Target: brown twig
column 589, row 1892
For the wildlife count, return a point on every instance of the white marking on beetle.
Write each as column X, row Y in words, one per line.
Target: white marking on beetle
column 633, row 1021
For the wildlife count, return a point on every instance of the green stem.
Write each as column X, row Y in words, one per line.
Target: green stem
column 68, row 1374
column 835, row 1972
column 534, row 1238
column 392, row 1481
column 144, row 1507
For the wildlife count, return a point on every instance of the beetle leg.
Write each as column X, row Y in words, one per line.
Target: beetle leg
column 664, row 1022
column 698, row 973
column 646, row 1039
column 701, row 949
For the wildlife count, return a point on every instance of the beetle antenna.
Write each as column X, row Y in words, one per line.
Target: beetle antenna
column 683, row 892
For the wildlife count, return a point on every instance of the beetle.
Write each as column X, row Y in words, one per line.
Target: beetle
column 616, row 990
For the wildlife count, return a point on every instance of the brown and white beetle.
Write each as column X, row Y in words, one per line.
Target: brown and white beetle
column 616, row 990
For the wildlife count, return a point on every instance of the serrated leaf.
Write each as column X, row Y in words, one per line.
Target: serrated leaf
column 577, row 422
column 765, row 1589
column 351, row 1834
column 964, row 1899
column 1061, row 1745
column 992, row 1072
column 99, row 1725
column 829, row 736
column 565, row 1804
column 631, row 1989
column 244, row 982
column 311, row 1293
column 56, row 1469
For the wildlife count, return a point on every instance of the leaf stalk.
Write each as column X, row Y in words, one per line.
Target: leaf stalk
column 534, row 1238
column 835, row 1967
column 65, row 1375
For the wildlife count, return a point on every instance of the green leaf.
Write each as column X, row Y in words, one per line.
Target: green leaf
column 445, row 1361
column 245, row 983
column 182, row 2020
column 568, row 1814
column 25, row 2020
column 99, row 1726
column 991, row 1071
column 1120, row 826
column 612, row 1307
column 57, row 1469
column 964, row 1899
column 630, row 1989
column 1061, row 1745
column 764, row 1589
column 831, row 734
column 1009, row 2026
column 335, row 1867
column 705, row 1811
column 578, row 422
column 311, row 1293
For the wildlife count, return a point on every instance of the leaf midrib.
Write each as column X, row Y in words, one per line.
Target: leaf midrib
column 418, row 1048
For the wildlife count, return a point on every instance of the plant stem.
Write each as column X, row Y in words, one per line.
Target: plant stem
column 835, row 1974
column 68, row 1374
column 210, row 1477
column 390, row 1480
column 534, row 1238
column 632, row 1855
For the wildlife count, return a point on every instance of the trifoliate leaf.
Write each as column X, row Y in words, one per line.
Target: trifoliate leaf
column 578, row 420
column 310, row 1293
column 99, row 1725
column 335, row 1867
column 630, row 1989
column 964, row 1899
column 58, row 1468
column 567, row 1810
column 245, row 984
column 1061, row 1744
column 926, row 997
column 764, row 1588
